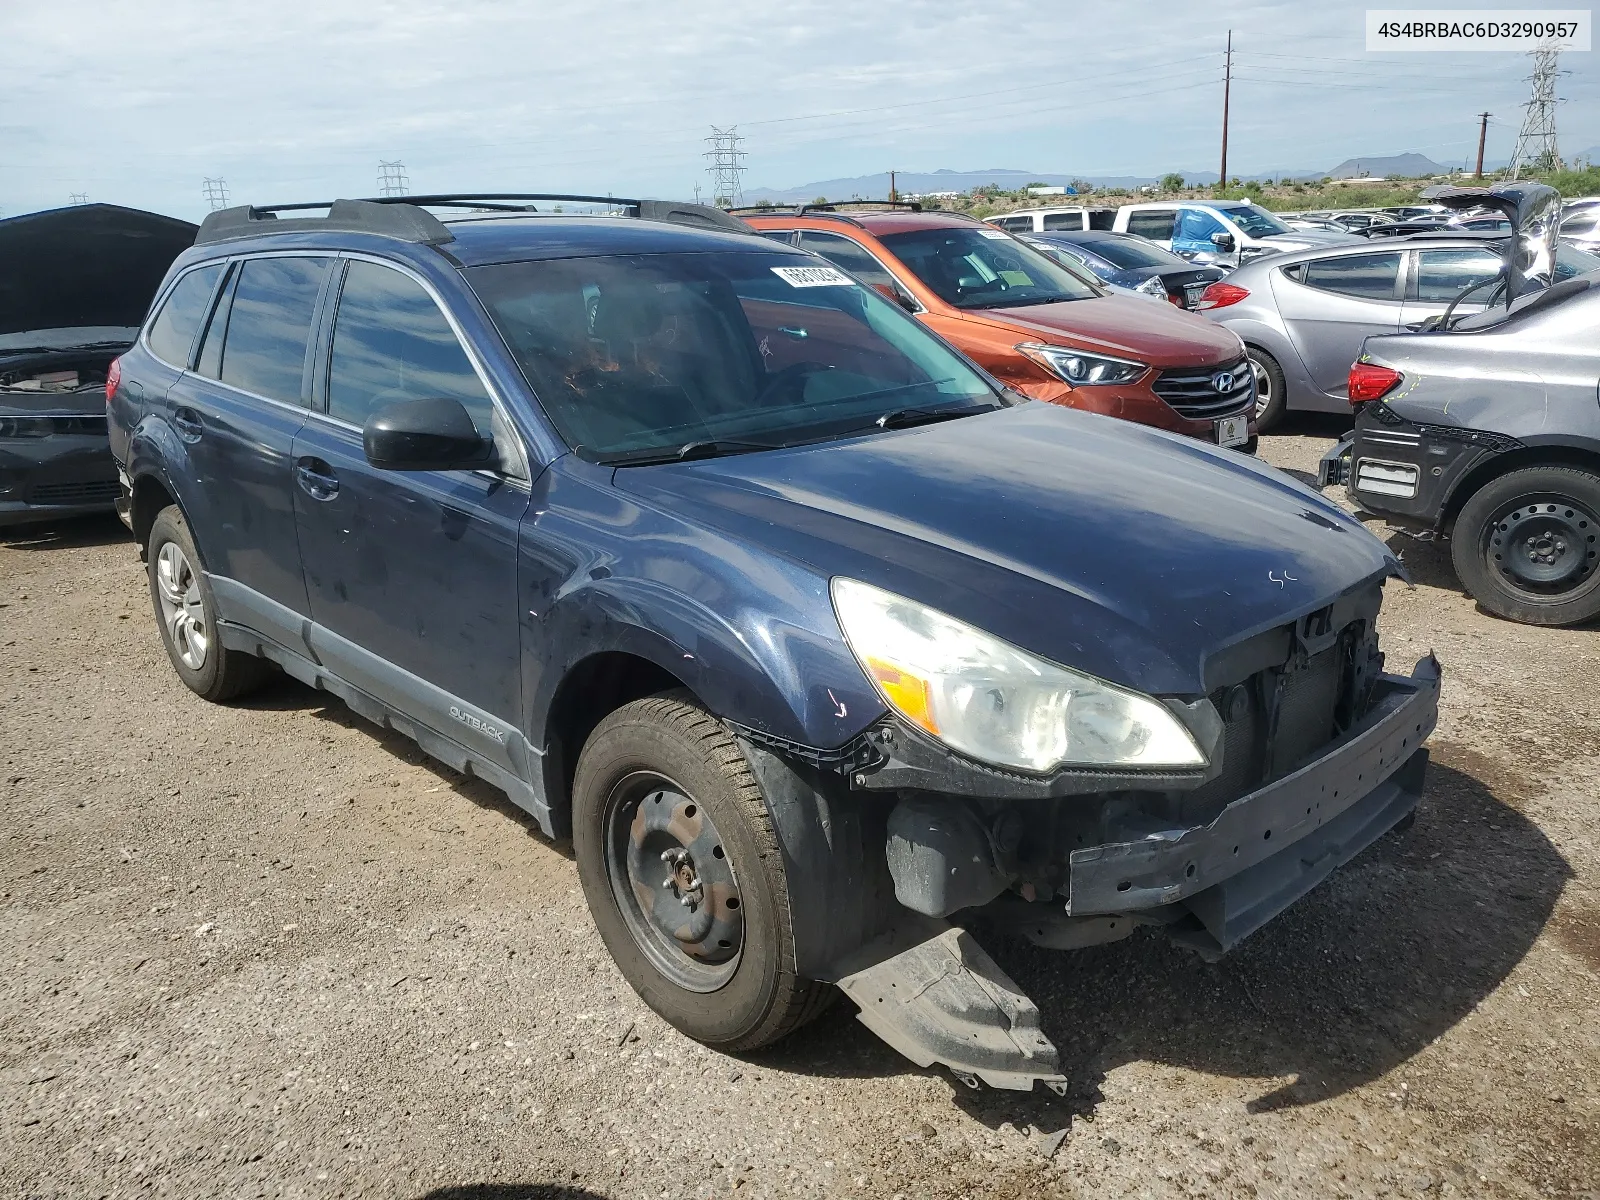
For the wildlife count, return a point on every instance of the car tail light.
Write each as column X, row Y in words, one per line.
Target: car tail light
column 113, row 379
column 1369, row 381
column 1220, row 295
column 1171, row 299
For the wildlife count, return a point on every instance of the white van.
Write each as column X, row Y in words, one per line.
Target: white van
column 1058, row 219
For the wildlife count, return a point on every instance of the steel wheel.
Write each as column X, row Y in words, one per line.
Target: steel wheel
column 673, row 881
column 183, row 609
column 1542, row 547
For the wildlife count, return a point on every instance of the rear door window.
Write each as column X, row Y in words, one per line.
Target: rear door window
column 1442, row 275
column 171, row 335
column 269, row 326
column 1068, row 221
column 1014, row 224
column 391, row 343
column 1155, row 224
column 1359, row 276
column 842, row 252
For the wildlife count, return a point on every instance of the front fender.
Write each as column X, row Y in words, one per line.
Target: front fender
column 154, row 449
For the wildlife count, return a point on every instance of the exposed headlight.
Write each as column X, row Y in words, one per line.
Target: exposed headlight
column 1153, row 287
column 1078, row 368
column 994, row 702
column 26, row 427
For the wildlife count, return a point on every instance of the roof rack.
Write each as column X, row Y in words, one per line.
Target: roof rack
column 405, row 218
column 806, row 210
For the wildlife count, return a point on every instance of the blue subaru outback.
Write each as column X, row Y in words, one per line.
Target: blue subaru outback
column 821, row 647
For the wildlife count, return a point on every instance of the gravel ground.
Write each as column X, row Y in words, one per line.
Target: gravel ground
column 270, row 950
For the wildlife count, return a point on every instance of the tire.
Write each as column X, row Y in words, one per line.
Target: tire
column 186, row 615
column 1271, row 399
column 659, row 777
column 1527, row 546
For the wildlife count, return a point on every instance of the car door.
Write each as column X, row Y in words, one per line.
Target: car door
column 237, row 412
column 1439, row 276
column 1330, row 305
column 411, row 575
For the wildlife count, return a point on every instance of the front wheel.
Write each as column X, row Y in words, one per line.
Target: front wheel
column 684, row 877
column 1526, row 546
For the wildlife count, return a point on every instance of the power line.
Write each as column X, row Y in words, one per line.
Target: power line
column 215, row 192
column 727, row 167
column 392, row 178
column 1536, row 142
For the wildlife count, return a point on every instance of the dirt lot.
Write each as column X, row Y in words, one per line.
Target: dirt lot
column 268, row 950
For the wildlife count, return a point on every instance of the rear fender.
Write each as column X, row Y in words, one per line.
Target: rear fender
column 154, row 449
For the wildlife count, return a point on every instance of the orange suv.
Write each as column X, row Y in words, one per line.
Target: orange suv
column 1041, row 329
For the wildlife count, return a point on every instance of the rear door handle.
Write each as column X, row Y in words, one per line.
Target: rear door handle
column 316, row 479
column 188, row 422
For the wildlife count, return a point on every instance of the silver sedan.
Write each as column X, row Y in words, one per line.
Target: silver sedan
column 1303, row 316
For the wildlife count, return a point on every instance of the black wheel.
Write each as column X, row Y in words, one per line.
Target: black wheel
column 1270, row 396
column 186, row 613
column 684, row 876
column 1527, row 546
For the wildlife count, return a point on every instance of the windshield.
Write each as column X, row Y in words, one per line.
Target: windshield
column 1255, row 221
column 1572, row 262
column 984, row 268
column 1132, row 253
column 659, row 353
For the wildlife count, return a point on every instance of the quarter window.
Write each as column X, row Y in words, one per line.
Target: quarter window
column 172, row 333
column 1359, row 276
column 1154, row 224
column 391, row 343
column 269, row 325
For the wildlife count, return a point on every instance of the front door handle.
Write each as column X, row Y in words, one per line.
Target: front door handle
column 316, row 479
column 188, row 424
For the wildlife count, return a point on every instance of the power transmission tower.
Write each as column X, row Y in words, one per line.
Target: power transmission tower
column 216, row 193
column 727, row 167
column 392, row 179
column 78, row 198
column 1536, row 143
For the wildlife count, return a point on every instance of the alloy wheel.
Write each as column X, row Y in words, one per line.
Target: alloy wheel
column 1264, row 395
column 673, row 881
column 182, row 606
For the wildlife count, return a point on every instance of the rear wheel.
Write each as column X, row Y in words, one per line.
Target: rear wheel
column 186, row 611
column 683, row 874
column 1527, row 546
column 1270, row 398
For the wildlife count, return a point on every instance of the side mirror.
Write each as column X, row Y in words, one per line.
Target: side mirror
column 889, row 292
column 425, row 435
column 1223, row 241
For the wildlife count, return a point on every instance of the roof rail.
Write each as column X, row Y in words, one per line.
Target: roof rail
column 405, row 218
column 908, row 205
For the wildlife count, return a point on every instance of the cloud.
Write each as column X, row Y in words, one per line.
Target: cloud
column 137, row 103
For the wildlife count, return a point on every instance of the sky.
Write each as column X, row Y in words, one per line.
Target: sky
column 138, row 101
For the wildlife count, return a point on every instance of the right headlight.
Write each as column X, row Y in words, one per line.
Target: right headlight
column 1078, row 368
column 997, row 703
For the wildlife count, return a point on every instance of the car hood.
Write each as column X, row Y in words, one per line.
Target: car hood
column 1107, row 546
column 88, row 265
column 1161, row 335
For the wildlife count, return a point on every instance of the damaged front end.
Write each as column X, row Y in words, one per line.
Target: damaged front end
column 1312, row 752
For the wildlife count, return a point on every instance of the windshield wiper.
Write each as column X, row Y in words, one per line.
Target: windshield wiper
column 1026, row 301
column 685, row 453
column 905, row 418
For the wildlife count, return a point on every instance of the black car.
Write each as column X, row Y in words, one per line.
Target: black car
column 75, row 284
column 1131, row 262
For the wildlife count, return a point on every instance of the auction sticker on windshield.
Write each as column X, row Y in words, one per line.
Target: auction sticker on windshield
column 813, row 276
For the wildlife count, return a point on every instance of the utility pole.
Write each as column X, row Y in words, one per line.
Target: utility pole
column 1227, row 87
column 392, row 179
column 1483, row 134
column 727, row 167
column 216, row 193
column 78, row 198
column 893, row 195
column 1536, row 142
